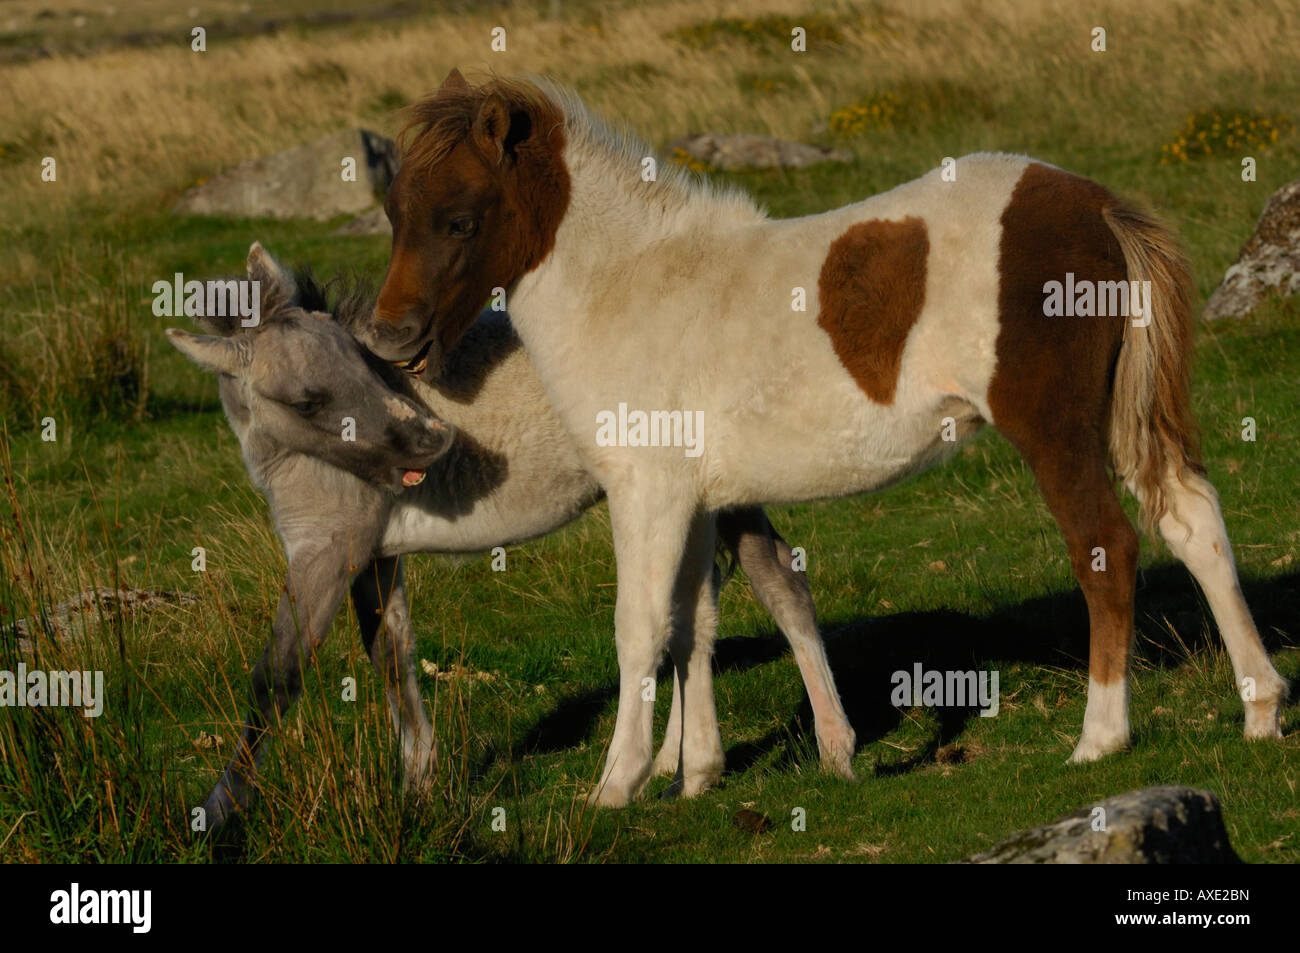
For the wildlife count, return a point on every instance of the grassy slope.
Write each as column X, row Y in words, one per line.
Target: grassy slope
column 959, row 568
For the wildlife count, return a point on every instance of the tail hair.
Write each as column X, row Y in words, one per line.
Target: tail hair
column 1153, row 435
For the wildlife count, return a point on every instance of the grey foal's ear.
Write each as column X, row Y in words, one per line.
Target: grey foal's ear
column 218, row 354
column 278, row 289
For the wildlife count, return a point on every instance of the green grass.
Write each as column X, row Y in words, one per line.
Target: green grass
column 960, row 568
column 132, row 500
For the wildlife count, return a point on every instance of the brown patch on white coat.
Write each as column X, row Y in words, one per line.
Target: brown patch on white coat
column 872, row 290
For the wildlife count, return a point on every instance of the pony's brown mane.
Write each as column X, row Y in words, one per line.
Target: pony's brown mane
column 435, row 124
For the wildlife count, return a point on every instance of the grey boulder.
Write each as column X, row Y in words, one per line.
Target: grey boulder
column 304, row 182
column 1158, row 825
column 372, row 222
column 1268, row 264
column 747, row 150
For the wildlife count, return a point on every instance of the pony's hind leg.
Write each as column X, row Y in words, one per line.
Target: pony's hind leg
column 1071, row 472
column 1192, row 526
column 379, row 597
column 1087, row 509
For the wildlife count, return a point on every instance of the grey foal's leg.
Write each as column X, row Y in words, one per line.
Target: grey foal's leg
column 768, row 561
column 379, row 597
column 316, row 585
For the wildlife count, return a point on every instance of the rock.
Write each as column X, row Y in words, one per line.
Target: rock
column 373, row 222
column 303, row 182
column 89, row 607
column 750, row 151
column 1159, row 825
column 1268, row 264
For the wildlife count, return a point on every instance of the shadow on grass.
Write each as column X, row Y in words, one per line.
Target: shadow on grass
column 865, row 652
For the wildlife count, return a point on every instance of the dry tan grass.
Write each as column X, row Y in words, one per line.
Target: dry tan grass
column 139, row 125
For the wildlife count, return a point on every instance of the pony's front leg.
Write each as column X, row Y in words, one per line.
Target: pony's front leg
column 316, row 584
column 650, row 534
column 379, row 597
column 692, row 748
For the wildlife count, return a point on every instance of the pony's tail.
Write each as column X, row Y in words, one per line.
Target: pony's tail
column 1153, row 436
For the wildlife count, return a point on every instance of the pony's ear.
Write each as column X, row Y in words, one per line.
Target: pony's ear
column 454, row 83
column 217, row 354
column 491, row 126
column 277, row 286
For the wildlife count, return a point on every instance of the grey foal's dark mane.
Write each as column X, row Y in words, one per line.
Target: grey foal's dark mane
column 348, row 297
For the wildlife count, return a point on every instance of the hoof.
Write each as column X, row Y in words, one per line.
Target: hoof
column 419, row 782
column 837, row 745
column 622, row 781
column 699, row 783
column 1090, row 749
column 839, row 765
column 1264, row 728
column 673, row 791
column 607, row 795
column 618, row 791
column 219, row 810
column 1263, row 720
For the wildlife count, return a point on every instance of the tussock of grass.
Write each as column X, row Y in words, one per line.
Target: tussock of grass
column 81, row 355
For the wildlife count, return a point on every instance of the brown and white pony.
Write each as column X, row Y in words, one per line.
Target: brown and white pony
column 829, row 355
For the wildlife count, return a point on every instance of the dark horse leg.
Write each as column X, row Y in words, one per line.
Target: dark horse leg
column 379, row 597
column 316, row 584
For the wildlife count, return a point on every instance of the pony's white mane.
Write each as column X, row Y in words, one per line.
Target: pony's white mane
column 613, row 154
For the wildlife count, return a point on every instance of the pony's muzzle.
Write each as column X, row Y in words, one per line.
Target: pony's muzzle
column 396, row 337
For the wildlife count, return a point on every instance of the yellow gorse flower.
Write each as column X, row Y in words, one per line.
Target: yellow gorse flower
column 1216, row 133
column 682, row 157
column 875, row 112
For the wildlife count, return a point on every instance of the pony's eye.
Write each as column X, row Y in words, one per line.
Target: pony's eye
column 307, row 407
column 462, row 227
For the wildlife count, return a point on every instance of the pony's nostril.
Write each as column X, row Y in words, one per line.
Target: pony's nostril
column 395, row 329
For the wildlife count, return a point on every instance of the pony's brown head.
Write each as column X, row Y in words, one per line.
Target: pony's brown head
column 475, row 205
